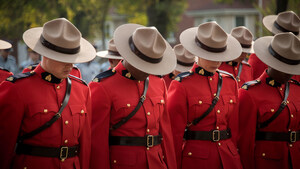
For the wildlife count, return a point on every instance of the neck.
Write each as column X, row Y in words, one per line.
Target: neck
column 278, row 76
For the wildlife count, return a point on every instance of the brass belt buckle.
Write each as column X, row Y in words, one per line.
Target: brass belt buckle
column 216, row 135
column 293, row 136
column 150, row 140
column 64, row 153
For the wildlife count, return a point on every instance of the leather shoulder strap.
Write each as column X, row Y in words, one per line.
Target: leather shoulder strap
column 226, row 73
column 141, row 101
column 53, row 119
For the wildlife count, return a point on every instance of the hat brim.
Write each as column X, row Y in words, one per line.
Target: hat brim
column 233, row 49
column 32, row 39
column 261, row 46
column 121, row 38
column 104, row 54
column 4, row 45
column 248, row 50
column 268, row 22
column 181, row 68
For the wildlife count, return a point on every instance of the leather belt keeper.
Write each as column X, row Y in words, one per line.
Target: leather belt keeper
column 61, row 153
column 148, row 140
column 291, row 136
column 213, row 135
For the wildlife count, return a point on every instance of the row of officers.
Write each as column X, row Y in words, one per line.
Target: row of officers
column 130, row 117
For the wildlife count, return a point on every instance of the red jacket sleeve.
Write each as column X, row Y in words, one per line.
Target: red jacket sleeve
column 11, row 115
column 247, row 129
column 85, row 137
column 101, row 106
column 177, row 106
column 166, row 131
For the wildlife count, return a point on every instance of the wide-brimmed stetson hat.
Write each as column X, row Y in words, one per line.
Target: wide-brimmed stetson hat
column 111, row 53
column 245, row 37
column 281, row 52
column 60, row 40
column 283, row 22
column 185, row 60
column 4, row 44
column 145, row 49
column 209, row 41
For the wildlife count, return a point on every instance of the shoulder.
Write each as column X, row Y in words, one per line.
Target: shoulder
column 19, row 76
column 183, row 75
column 75, row 78
column 226, row 74
column 104, row 75
column 5, row 70
column 249, row 84
column 246, row 63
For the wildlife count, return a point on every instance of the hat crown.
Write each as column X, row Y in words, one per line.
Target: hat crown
column 212, row 35
column 183, row 55
column 287, row 45
column 112, row 46
column 149, row 41
column 62, row 33
column 242, row 34
column 289, row 20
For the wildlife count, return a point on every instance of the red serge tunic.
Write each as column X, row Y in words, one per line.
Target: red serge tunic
column 258, row 104
column 113, row 98
column 28, row 103
column 234, row 68
column 188, row 100
column 168, row 79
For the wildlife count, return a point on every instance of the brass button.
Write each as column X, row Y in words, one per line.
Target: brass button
column 128, row 105
column 290, row 130
column 200, row 102
column 210, row 78
column 190, row 153
column 82, row 111
column 113, row 70
column 57, row 87
column 45, row 110
column 292, row 116
column 139, row 81
column 218, row 127
column 219, row 144
column 230, row 101
column 66, row 122
column 235, row 68
column 162, row 101
column 66, row 141
column 25, row 167
column 148, row 130
column 263, row 154
column 239, row 80
column 291, row 145
column 148, row 148
column 218, row 111
column 287, row 102
column 148, row 113
column 272, row 110
column 115, row 161
column 215, row 94
column 62, row 160
column 280, row 88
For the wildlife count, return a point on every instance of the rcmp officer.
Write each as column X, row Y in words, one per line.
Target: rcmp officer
column 239, row 68
column 185, row 61
column 111, row 54
column 269, row 107
column 203, row 103
column 287, row 21
column 130, row 124
column 47, row 111
column 3, row 72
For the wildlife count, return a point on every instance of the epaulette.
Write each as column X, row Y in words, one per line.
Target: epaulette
column 103, row 75
column 246, row 63
column 32, row 66
column 226, row 73
column 4, row 69
column 16, row 77
column 78, row 79
column 182, row 75
column 250, row 83
column 295, row 81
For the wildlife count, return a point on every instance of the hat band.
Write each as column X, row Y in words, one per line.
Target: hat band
column 210, row 49
column 283, row 29
column 49, row 45
column 135, row 50
column 184, row 63
column 246, row 45
column 281, row 58
column 113, row 53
